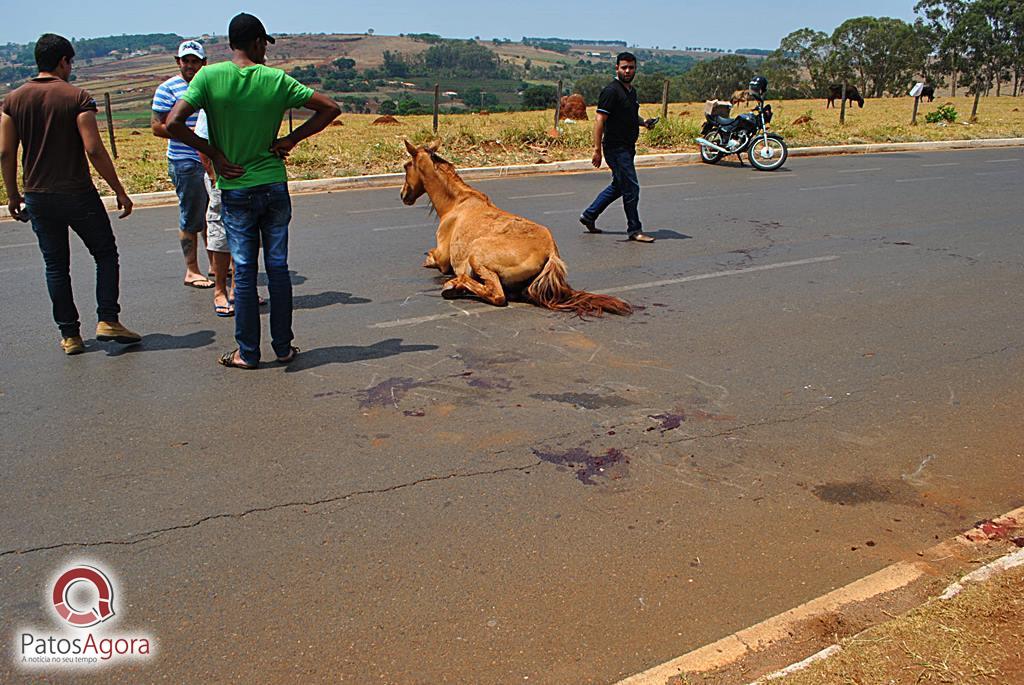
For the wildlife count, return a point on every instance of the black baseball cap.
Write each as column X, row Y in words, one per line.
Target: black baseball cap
column 245, row 28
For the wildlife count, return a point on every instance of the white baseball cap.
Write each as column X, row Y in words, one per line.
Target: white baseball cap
column 192, row 47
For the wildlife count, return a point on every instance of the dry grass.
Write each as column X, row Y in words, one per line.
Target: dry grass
column 357, row 147
column 977, row 637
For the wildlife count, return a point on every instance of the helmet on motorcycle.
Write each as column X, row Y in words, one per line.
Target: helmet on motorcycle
column 758, row 86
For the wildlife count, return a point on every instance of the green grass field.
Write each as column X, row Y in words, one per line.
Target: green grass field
column 357, row 147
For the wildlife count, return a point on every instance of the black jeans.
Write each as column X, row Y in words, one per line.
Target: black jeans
column 84, row 213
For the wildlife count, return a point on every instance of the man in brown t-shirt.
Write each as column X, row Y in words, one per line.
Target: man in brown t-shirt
column 55, row 124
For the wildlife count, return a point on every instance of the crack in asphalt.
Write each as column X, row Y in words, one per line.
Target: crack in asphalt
column 152, row 534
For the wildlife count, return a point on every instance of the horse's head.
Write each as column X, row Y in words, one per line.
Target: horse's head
column 414, row 170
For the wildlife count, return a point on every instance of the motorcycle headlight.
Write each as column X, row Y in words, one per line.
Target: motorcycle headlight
column 767, row 114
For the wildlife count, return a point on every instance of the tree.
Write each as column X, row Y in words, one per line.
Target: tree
column 883, row 53
column 783, row 77
column 395, row 64
column 808, row 51
column 650, row 86
column 939, row 18
column 388, row 107
column 539, row 97
column 590, row 87
column 984, row 32
column 716, row 78
column 409, row 105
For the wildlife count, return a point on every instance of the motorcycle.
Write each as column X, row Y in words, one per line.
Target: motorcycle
column 748, row 133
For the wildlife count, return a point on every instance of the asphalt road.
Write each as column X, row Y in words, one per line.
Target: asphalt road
column 824, row 379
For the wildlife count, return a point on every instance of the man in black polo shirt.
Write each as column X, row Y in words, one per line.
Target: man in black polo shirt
column 617, row 128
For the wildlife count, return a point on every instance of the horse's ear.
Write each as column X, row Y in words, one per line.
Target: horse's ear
column 433, row 146
column 411, row 148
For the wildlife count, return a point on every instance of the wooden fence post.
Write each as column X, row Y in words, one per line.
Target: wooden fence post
column 913, row 117
column 664, row 101
column 437, row 103
column 110, row 125
column 842, row 106
column 558, row 103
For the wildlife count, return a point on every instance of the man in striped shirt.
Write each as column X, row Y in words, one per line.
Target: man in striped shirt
column 183, row 163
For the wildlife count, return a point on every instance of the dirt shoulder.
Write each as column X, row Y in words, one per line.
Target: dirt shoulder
column 976, row 637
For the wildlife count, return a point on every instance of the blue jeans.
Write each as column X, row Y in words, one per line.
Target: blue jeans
column 187, row 177
column 52, row 214
column 249, row 214
column 624, row 184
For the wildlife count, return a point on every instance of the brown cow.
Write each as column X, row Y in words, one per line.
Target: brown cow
column 740, row 96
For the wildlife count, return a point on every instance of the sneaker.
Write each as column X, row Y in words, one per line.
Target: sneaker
column 641, row 237
column 107, row 330
column 72, row 345
column 590, row 225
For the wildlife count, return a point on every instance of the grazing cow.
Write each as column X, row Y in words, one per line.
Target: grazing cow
column 928, row 92
column 835, row 92
column 740, row 96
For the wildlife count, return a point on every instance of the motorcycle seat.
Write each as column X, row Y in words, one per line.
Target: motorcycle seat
column 724, row 121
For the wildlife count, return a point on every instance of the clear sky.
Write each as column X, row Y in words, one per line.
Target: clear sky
column 705, row 23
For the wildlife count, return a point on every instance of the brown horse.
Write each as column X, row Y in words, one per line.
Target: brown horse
column 490, row 250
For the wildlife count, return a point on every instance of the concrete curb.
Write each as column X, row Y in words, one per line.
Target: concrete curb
column 326, row 185
column 758, row 639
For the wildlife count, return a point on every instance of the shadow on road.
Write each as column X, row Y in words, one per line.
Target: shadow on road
column 156, row 342
column 326, row 299
column 660, row 234
column 297, row 278
column 347, row 354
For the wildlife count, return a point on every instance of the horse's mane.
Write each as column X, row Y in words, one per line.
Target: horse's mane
column 447, row 169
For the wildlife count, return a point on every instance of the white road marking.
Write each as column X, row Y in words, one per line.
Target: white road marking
column 993, row 173
column 173, row 252
column 667, row 185
column 838, row 185
column 5, row 247
column 171, row 229
column 398, row 228
column 719, row 274
column 716, row 197
column 858, row 171
column 923, row 178
column 1000, row 161
column 620, row 289
column 563, row 211
column 527, row 197
column 377, row 209
column 942, row 164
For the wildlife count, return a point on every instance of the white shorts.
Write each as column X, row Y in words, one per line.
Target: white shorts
column 216, row 235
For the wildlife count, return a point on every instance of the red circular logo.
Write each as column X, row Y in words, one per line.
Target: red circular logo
column 83, row 618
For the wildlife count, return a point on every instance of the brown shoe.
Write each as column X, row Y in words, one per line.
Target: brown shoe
column 72, row 345
column 107, row 330
column 641, row 237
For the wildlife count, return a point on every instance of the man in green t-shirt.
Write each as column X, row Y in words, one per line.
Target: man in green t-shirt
column 244, row 102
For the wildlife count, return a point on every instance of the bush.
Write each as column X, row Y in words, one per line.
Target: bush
column 943, row 113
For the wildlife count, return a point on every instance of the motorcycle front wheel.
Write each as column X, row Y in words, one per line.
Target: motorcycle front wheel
column 770, row 155
column 709, row 155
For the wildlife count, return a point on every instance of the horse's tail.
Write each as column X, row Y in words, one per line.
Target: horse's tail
column 550, row 289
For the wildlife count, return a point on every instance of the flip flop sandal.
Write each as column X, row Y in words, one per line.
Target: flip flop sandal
column 207, row 283
column 228, row 359
column 223, row 310
column 291, row 356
